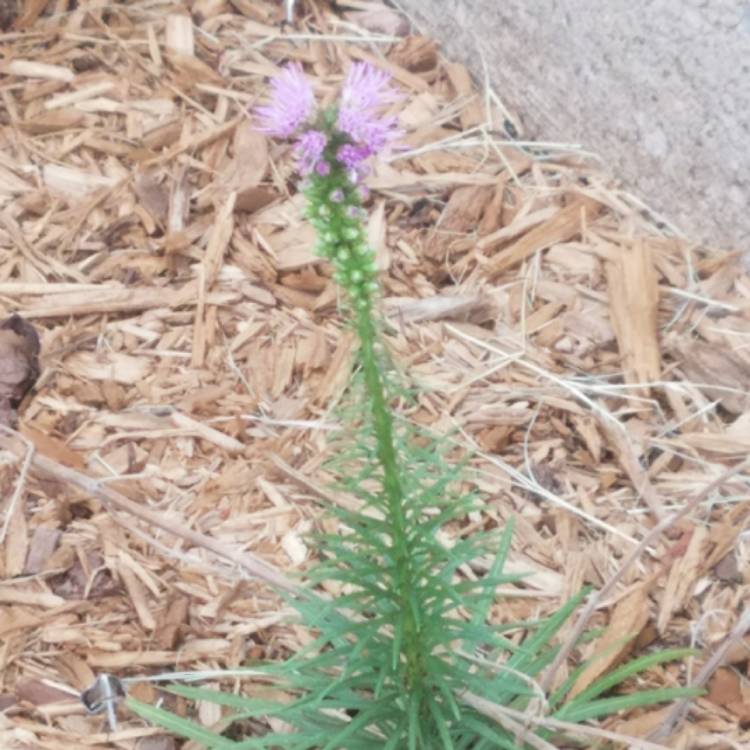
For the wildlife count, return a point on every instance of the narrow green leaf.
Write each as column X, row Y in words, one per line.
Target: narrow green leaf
column 177, row 725
column 441, row 725
column 607, row 706
column 628, row 670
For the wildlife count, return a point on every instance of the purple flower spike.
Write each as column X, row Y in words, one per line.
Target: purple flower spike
column 309, row 151
column 323, row 168
column 366, row 91
column 352, row 156
column 367, row 87
column 292, row 103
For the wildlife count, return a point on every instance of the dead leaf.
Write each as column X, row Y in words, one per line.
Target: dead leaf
column 628, row 618
column 43, row 544
column 417, row 54
column 727, row 569
column 252, row 199
column 381, row 21
column 190, row 71
column 643, row 724
column 40, row 693
column 19, row 364
column 715, row 371
column 460, row 219
column 93, row 582
column 172, row 620
column 250, row 163
column 9, row 9
column 683, row 574
column 153, row 195
column 475, row 307
column 725, row 690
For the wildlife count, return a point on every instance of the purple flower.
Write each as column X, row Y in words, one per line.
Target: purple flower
column 291, row 104
column 366, row 91
column 309, row 150
column 367, row 87
column 352, row 156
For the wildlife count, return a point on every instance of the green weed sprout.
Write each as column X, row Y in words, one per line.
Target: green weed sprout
column 397, row 654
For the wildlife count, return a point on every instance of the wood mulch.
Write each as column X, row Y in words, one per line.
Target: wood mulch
column 168, row 463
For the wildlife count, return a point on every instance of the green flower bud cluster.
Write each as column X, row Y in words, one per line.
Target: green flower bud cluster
column 335, row 211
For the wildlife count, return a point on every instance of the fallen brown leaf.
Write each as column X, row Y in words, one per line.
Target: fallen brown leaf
column 9, row 10
column 627, row 620
column 725, row 690
column 43, row 544
column 719, row 373
column 40, row 693
column 19, row 364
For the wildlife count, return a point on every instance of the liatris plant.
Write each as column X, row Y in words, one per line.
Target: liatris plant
column 405, row 658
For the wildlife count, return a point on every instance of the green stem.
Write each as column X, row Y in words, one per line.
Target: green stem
column 342, row 240
column 386, row 451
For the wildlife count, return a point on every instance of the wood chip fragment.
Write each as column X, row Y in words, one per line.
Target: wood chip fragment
column 32, row 69
column 634, row 304
column 180, row 34
column 566, row 224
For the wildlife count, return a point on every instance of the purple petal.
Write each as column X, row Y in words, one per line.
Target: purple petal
column 292, row 103
column 367, row 87
column 352, row 156
column 309, row 150
column 366, row 91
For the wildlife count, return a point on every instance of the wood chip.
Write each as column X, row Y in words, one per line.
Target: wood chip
column 566, row 224
column 634, row 304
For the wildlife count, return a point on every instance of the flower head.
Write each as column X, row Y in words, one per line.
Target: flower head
column 367, row 87
column 292, row 103
column 309, row 150
column 348, row 136
column 366, row 91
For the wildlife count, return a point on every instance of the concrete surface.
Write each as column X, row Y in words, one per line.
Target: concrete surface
column 659, row 88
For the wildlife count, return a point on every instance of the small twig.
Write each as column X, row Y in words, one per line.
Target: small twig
column 529, row 483
column 503, row 714
column 597, row 597
column 680, row 709
column 111, row 499
column 20, row 482
column 513, row 721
